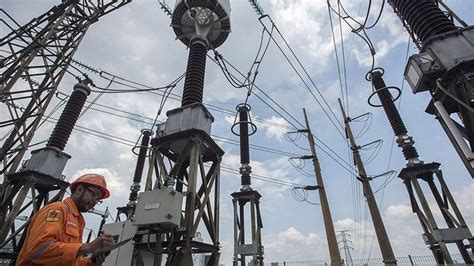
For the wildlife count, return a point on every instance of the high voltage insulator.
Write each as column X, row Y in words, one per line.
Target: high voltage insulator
column 200, row 25
column 42, row 173
column 403, row 139
column 243, row 112
column 424, row 17
column 162, row 218
column 415, row 171
column 194, row 82
column 256, row 7
column 246, row 197
column 137, row 177
column 69, row 116
column 444, row 67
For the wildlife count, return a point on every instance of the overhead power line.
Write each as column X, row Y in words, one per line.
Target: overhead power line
column 130, row 143
column 149, row 121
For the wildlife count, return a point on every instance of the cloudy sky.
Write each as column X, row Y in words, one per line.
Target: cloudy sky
column 137, row 43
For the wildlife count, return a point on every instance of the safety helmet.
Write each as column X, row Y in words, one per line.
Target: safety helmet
column 94, row 180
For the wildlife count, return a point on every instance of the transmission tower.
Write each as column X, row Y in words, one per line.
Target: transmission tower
column 444, row 67
column 246, row 195
column 416, row 170
column 345, row 241
column 184, row 161
column 38, row 54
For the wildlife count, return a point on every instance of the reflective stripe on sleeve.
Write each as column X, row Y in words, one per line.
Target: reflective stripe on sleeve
column 41, row 250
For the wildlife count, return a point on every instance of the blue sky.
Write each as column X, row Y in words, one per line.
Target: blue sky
column 137, row 43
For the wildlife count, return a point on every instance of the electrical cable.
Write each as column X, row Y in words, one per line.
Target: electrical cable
column 366, row 126
column 219, row 138
column 302, row 79
column 170, row 240
column 130, row 143
column 288, row 138
column 301, row 195
column 357, row 31
column 336, row 54
column 176, row 96
column 324, row 146
column 375, row 146
column 261, row 177
column 299, row 166
column 343, row 63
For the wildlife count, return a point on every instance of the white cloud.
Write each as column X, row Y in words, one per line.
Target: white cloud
column 275, row 169
column 295, row 245
column 398, row 211
column 273, row 131
column 117, row 186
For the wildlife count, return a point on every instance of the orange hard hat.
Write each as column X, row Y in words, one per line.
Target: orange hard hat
column 94, row 180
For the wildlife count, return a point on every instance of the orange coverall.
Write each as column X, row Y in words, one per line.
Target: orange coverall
column 54, row 236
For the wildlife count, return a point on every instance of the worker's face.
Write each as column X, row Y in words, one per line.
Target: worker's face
column 89, row 198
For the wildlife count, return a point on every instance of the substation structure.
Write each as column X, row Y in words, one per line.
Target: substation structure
column 434, row 235
column 246, row 201
column 35, row 59
column 184, row 161
column 444, row 67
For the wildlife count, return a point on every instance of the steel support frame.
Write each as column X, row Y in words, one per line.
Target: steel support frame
column 255, row 247
column 39, row 53
column 196, row 170
column 16, row 193
column 436, row 237
column 455, row 135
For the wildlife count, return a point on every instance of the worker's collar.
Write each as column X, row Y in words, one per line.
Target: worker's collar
column 72, row 206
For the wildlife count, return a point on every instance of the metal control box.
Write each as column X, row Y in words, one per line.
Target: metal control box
column 159, row 208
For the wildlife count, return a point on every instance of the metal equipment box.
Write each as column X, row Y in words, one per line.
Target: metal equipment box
column 47, row 161
column 192, row 116
column 158, row 208
column 120, row 231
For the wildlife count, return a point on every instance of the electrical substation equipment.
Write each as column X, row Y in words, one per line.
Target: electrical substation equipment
column 444, row 67
column 129, row 209
column 40, row 175
column 247, row 200
column 159, row 209
column 416, row 170
column 38, row 55
column 35, row 58
column 186, row 193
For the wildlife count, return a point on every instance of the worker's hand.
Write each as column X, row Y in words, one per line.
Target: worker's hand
column 97, row 261
column 100, row 243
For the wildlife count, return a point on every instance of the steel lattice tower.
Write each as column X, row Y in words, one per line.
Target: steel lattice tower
column 35, row 57
column 38, row 53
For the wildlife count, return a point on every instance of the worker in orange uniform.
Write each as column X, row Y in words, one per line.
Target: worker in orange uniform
column 54, row 236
